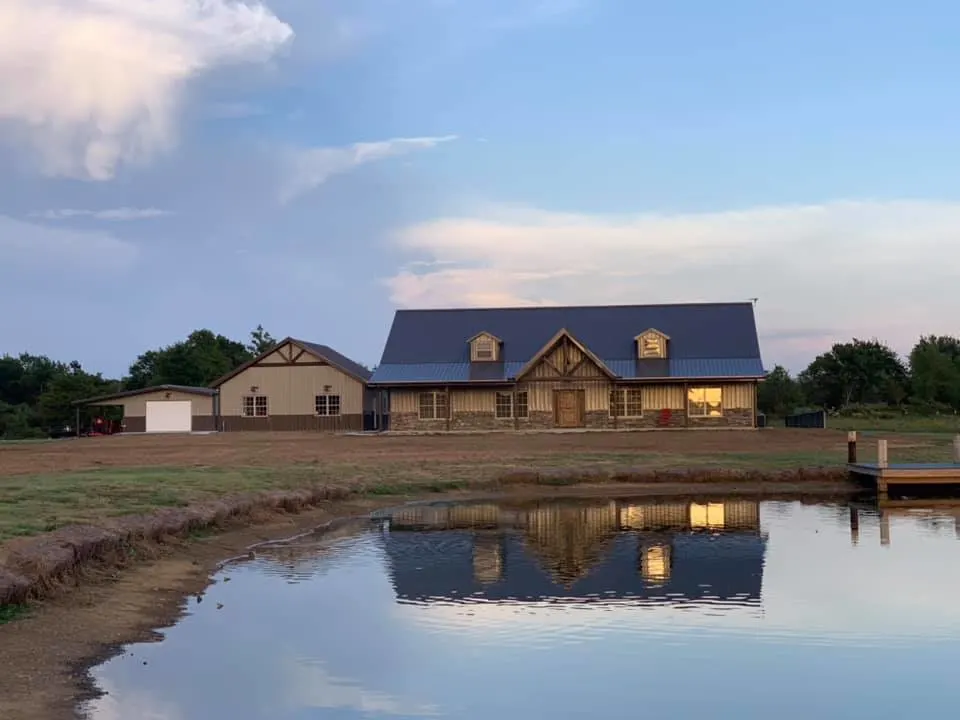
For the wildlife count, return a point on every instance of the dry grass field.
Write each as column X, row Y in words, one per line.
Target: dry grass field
column 46, row 485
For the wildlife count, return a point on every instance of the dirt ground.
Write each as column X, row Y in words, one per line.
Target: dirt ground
column 284, row 449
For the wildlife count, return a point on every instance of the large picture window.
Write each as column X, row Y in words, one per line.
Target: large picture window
column 434, row 406
column 253, row 406
column 626, row 402
column 705, row 402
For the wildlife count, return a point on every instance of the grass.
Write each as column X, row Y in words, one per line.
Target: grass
column 39, row 503
column 898, row 424
column 9, row 613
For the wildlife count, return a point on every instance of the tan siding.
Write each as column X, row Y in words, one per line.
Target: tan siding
column 279, row 356
column 540, row 397
column 473, row 400
column 739, row 396
column 136, row 406
column 291, row 390
column 664, row 397
column 562, row 357
column 404, row 401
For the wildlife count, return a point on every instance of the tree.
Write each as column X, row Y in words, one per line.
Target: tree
column 260, row 341
column 199, row 360
column 861, row 371
column 935, row 371
column 779, row 394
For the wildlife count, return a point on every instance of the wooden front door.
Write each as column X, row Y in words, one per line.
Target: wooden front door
column 568, row 408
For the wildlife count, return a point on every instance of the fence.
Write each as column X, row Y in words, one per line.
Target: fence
column 813, row 419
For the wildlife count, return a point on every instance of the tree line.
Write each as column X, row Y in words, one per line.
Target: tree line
column 860, row 375
column 37, row 393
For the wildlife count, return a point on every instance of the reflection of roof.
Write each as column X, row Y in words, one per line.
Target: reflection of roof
column 439, row 566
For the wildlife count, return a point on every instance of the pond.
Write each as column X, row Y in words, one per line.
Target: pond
column 612, row 608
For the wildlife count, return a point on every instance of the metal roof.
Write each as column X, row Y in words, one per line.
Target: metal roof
column 336, row 359
column 708, row 340
column 104, row 399
column 321, row 352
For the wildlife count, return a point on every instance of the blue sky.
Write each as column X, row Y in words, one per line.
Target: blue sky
column 312, row 165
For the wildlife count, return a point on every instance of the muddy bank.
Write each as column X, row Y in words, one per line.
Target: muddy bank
column 117, row 585
column 36, row 568
column 39, row 567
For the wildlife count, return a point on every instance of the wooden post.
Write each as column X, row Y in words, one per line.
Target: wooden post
column 956, row 449
column 854, row 526
column 884, row 528
column 852, row 447
column 882, row 454
column 77, row 428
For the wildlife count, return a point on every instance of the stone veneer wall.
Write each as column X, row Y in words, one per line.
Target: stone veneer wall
column 594, row 419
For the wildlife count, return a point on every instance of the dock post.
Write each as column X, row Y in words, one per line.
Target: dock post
column 882, row 454
column 852, row 447
column 854, row 526
column 956, row 449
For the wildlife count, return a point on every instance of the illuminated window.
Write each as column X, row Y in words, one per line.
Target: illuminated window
column 705, row 402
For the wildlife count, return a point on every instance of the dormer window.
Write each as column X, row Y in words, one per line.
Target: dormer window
column 651, row 344
column 484, row 348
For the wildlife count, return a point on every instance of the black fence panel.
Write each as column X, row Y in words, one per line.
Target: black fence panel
column 815, row 419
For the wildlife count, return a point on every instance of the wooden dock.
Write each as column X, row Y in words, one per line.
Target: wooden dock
column 885, row 474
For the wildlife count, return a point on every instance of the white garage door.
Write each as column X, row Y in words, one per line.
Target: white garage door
column 173, row 416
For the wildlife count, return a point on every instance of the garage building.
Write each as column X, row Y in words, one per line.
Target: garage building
column 296, row 386
column 163, row 408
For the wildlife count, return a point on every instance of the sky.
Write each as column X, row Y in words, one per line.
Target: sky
column 313, row 165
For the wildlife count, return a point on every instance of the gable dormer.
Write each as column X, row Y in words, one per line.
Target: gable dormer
column 484, row 347
column 651, row 345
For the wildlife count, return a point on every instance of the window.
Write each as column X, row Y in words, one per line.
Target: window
column 253, row 406
column 652, row 345
column 483, row 349
column 626, row 402
column 434, row 406
column 327, row 405
column 505, row 405
column 523, row 409
column 705, row 402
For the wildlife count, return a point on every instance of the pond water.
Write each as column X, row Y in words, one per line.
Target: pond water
column 612, row 608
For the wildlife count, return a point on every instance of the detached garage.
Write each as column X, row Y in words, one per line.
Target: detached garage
column 162, row 409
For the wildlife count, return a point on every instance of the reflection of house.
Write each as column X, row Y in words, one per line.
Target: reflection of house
column 668, row 552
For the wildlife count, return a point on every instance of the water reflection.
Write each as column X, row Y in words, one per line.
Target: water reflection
column 671, row 552
column 570, row 610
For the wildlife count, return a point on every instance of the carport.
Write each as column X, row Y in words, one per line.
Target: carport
column 160, row 409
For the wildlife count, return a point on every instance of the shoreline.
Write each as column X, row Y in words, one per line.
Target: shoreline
column 123, row 584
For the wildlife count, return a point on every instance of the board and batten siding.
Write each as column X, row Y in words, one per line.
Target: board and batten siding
column 736, row 396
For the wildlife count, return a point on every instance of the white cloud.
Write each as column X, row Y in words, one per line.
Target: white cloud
column 821, row 272
column 308, row 169
column 114, row 214
column 30, row 246
column 93, row 83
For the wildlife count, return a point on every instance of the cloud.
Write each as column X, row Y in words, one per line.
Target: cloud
column 821, row 272
column 29, row 246
column 94, row 83
column 308, row 169
column 113, row 214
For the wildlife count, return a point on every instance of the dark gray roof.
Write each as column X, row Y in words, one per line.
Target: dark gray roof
column 714, row 340
column 100, row 399
column 342, row 362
